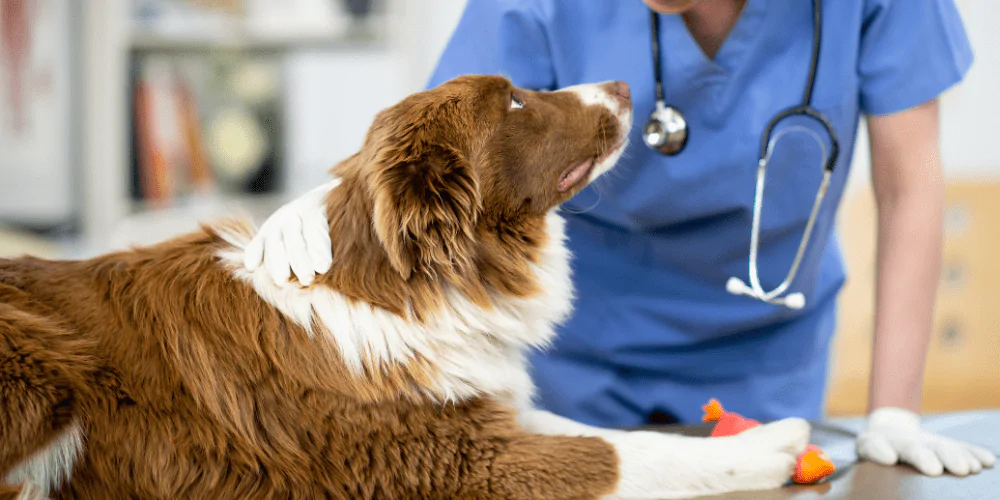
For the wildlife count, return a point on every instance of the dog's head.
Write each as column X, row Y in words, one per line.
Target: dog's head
column 477, row 152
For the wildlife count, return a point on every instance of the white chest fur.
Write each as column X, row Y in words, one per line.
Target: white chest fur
column 50, row 467
column 473, row 350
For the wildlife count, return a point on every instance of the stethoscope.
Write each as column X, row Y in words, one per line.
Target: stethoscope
column 667, row 132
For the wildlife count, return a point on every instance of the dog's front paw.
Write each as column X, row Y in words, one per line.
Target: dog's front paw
column 760, row 458
column 662, row 466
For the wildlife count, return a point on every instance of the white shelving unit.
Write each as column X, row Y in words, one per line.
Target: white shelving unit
column 109, row 215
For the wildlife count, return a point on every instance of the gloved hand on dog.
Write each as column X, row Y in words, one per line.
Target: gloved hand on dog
column 294, row 239
column 894, row 435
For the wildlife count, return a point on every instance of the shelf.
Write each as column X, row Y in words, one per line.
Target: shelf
column 148, row 224
column 146, row 44
column 213, row 202
column 351, row 36
column 17, row 243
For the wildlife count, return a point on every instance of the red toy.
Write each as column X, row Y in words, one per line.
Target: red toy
column 813, row 464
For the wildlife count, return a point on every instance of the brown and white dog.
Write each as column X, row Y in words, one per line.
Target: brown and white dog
column 173, row 372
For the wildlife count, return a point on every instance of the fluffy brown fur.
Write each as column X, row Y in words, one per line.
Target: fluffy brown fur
column 185, row 383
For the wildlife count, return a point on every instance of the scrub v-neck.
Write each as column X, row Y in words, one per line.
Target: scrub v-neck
column 683, row 57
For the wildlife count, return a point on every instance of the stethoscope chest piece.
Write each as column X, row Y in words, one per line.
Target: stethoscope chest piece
column 666, row 131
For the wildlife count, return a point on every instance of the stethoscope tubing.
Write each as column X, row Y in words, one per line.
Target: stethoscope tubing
column 755, row 289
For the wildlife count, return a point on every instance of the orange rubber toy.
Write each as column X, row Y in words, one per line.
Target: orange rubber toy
column 813, row 464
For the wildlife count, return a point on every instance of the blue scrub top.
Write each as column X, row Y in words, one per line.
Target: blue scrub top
column 657, row 238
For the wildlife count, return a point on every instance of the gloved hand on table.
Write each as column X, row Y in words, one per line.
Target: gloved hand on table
column 894, row 435
column 294, row 239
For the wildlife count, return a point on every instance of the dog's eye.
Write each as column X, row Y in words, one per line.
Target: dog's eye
column 516, row 103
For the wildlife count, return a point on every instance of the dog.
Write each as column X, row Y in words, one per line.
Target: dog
column 171, row 371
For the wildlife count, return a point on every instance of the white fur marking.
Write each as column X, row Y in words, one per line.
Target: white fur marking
column 658, row 465
column 30, row 492
column 474, row 351
column 50, row 467
column 592, row 94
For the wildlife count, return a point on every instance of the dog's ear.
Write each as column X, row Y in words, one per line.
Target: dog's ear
column 426, row 201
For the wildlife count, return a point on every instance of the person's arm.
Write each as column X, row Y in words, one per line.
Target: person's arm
column 909, row 193
column 910, row 52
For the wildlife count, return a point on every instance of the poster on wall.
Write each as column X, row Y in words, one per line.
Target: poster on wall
column 36, row 118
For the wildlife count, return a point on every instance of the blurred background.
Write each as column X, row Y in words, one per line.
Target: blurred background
column 127, row 121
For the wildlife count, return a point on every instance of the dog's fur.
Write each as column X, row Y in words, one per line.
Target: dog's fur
column 173, row 372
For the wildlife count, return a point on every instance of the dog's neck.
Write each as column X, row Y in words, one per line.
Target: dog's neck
column 452, row 339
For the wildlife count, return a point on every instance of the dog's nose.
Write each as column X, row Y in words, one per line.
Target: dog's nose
column 620, row 91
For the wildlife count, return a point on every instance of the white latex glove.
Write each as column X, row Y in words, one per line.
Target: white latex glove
column 294, row 239
column 894, row 435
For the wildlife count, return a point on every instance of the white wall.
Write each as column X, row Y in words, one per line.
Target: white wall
column 971, row 113
column 433, row 27
column 331, row 100
column 333, row 97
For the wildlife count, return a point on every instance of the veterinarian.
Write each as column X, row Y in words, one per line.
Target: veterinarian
column 656, row 332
